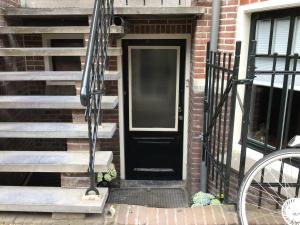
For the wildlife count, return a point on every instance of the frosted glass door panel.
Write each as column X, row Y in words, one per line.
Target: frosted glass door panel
column 153, row 88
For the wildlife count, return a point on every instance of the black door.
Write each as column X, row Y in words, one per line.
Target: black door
column 153, row 108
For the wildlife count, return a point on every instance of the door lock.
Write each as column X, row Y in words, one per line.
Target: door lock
column 180, row 117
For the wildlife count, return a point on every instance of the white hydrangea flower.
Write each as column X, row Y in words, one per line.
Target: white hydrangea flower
column 99, row 177
column 107, row 177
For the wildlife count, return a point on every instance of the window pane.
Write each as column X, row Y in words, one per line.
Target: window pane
column 296, row 44
column 154, row 79
column 266, row 63
column 294, row 123
column 263, row 28
column 259, row 109
column 280, row 36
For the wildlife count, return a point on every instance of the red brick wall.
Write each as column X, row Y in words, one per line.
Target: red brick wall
column 9, row 3
column 226, row 42
column 244, row 2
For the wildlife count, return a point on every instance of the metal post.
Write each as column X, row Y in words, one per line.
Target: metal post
column 247, row 104
column 231, row 120
column 203, row 172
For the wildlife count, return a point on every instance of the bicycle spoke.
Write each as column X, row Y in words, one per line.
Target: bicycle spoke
column 269, row 193
column 267, row 199
column 269, row 210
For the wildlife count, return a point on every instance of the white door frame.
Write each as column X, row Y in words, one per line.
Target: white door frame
column 187, row 37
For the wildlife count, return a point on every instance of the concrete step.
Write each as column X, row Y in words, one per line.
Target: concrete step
column 52, row 162
column 49, row 199
column 54, row 51
column 51, row 102
column 55, row 30
column 46, row 12
column 52, row 130
column 52, row 76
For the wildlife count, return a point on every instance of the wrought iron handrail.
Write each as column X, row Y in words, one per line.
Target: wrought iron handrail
column 92, row 86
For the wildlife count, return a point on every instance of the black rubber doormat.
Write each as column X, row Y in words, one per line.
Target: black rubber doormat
column 151, row 197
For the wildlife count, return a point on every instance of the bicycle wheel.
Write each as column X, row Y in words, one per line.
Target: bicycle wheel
column 270, row 190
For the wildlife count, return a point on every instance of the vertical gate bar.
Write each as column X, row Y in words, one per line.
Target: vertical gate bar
column 225, row 122
column 298, row 182
column 268, row 119
column 269, row 110
column 283, row 104
column 205, row 118
column 212, row 109
column 231, row 121
column 216, row 105
column 220, row 121
column 282, row 116
column 284, row 97
column 291, row 92
column 247, row 105
column 208, row 146
column 280, row 181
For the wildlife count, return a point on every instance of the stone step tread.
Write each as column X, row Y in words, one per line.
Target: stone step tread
column 54, row 51
column 52, row 75
column 139, row 10
column 51, row 102
column 52, row 161
column 52, row 130
column 49, row 199
column 54, row 30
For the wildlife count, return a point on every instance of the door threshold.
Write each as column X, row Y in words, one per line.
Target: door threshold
column 152, row 184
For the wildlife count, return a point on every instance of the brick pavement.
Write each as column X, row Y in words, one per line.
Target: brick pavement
column 139, row 215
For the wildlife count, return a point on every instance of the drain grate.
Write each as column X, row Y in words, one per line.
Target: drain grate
column 151, row 197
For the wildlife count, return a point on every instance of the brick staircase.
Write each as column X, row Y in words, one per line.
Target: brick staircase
column 51, row 199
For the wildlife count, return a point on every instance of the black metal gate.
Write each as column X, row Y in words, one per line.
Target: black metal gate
column 219, row 112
